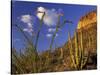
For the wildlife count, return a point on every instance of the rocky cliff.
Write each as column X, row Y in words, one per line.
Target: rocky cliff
column 87, row 20
column 88, row 25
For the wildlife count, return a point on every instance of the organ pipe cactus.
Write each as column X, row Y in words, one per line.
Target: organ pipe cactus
column 77, row 56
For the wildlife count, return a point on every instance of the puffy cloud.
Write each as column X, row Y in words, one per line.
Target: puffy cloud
column 50, row 17
column 40, row 9
column 28, row 20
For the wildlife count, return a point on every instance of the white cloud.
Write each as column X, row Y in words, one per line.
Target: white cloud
column 50, row 35
column 40, row 9
column 28, row 20
column 29, row 30
column 50, row 17
column 51, row 29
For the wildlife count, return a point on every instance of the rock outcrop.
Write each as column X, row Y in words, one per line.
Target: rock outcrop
column 87, row 20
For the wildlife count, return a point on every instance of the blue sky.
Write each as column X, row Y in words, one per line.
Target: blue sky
column 24, row 14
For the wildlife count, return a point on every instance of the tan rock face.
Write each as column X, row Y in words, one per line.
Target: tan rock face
column 88, row 19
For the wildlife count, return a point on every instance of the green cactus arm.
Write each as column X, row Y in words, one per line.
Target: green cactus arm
column 82, row 48
column 76, row 49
